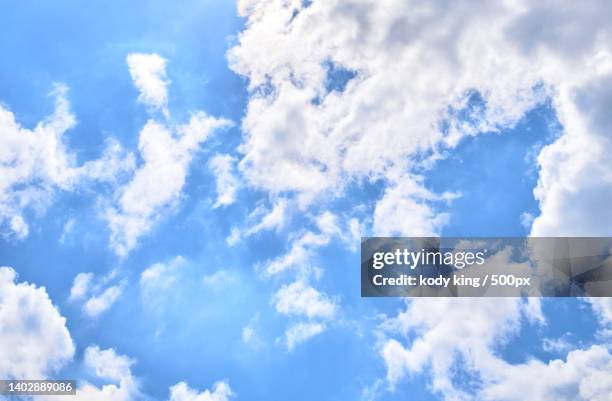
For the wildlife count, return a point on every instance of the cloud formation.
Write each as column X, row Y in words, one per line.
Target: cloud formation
column 227, row 182
column 95, row 293
column 166, row 150
column 35, row 340
column 182, row 392
column 148, row 72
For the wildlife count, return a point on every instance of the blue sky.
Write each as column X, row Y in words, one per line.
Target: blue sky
column 316, row 139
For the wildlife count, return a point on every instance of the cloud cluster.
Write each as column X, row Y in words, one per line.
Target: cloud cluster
column 113, row 368
column 300, row 299
column 446, row 336
column 457, row 341
column 36, row 344
column 35, row 164
column 377, row 91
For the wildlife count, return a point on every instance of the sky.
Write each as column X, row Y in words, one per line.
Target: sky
column 184, row 186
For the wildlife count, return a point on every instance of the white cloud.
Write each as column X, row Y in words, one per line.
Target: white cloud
column 218, row 278
column 261, row 219
column 302, row 248
column 404, row 210
column 94, row 293
column 108, row 365
column 114, row 165
column 19, row 227
column 443, row 335
column 67, row 230
column 576, row 171
column 148, row 72
column 300, row 332
column 120, row 384
column 415, row 66
column 584, row 375
column 160, row 276
column 300, row 299
column 603, row 310
column 100, row 303
column 80, row 286
column 466, row 335
column 35, row 340
column 557, row 345
column 182, row 392
column 33, row 163
column 227, row 182
column 157, row 184
column 526, row 220
column 166, row 150
column 405, row 85
column 249, row 333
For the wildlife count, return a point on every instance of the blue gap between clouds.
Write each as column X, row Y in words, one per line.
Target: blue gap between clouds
column 495, row 174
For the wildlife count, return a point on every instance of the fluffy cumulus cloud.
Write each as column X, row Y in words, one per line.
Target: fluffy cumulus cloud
column 182, row 392
column 166, row 150
column 35, row 340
